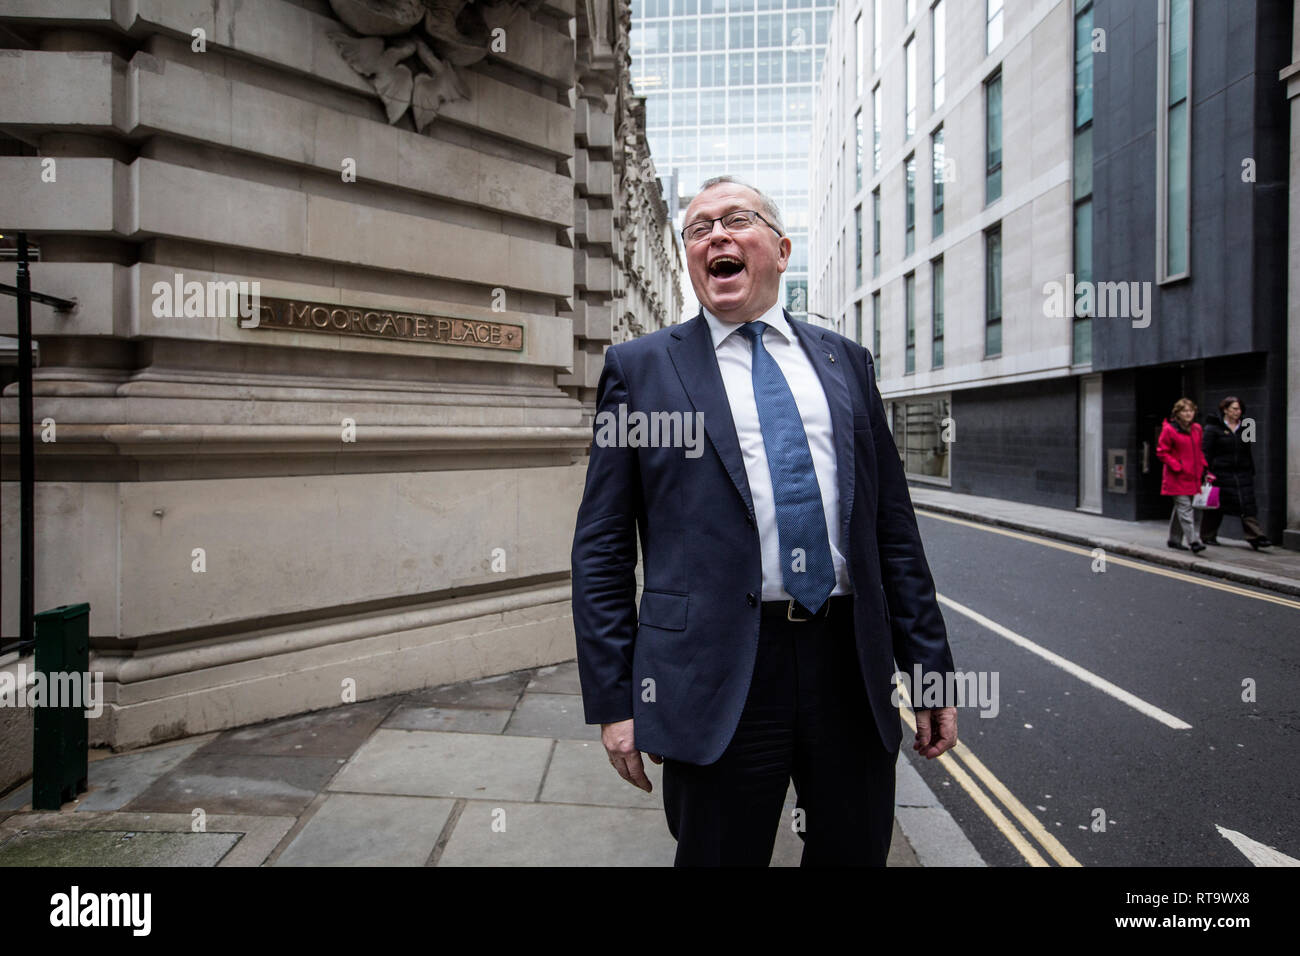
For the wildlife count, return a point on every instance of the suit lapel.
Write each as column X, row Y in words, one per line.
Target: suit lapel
column 693, row 354
column 696, row 361
column 829, row 362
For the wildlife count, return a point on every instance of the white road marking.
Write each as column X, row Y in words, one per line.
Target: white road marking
column 1082, row 673
column 1256, row 852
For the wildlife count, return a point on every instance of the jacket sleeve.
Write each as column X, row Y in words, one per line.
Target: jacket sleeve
column 916, row 624
column 1165, row 449
column 604, row 563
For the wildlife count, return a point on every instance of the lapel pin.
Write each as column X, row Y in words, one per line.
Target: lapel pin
column 831, row 356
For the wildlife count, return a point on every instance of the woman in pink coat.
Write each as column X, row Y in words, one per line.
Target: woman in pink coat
column 1179, row 447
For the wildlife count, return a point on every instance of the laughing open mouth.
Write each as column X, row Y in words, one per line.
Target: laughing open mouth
column 725, row 266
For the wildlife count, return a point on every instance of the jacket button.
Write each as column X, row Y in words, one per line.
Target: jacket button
column 751, row 599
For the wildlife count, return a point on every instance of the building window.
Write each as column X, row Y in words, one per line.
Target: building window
column 936, row 312
column 909, row 87
column 992, row 24
column 857, row 314
column 920, row 426
column 857, row 129
column 875, row 329
column 938, row 172
column 909, row 323
column 993, row 138
column 875, row 129
column 686, row 35
column 859, row 50
column 1173, row 121
column 1081, row 331
column 909, row 207
column 993, row 291
column 857, row 223
column 875, row 35
column 875, row 232
column 938, row 42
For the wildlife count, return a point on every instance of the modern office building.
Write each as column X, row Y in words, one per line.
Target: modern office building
column 729, row 89
column 1024, row 212
column 1189, row 190
column 1291, row 77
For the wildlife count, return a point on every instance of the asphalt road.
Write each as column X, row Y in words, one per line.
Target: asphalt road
column 1068, row 752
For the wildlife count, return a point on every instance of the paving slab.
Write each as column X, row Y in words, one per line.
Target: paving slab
column 556, row 679
column 257, row 835
column 580, row 772
column 114, row 848
column 113, row 779
column 538, row 834
column 356, row 829
column 488, row 693
column 113, row 782
column 335, row 732
column 435, row 764
column 552, row 715
column 238, row 783
column 461, row 719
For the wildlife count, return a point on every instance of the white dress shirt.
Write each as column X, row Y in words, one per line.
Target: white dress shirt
column 735, row 361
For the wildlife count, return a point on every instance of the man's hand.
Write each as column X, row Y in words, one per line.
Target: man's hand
column 620, row 744
column 936, row 731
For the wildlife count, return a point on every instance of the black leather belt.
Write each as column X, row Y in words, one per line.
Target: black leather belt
column 837, row 606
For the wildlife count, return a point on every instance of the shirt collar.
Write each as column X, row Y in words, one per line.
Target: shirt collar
column 774, row 317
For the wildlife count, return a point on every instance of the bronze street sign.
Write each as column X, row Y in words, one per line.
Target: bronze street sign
column 297, row 316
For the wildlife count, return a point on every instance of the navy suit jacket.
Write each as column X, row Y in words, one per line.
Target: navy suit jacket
column 682, row 666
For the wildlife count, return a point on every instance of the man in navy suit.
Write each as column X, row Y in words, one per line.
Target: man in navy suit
column 783, row 571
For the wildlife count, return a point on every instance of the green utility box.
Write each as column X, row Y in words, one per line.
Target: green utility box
column 59, row 756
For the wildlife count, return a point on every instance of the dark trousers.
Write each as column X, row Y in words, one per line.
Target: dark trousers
column 1211, row 518
column 806, row 717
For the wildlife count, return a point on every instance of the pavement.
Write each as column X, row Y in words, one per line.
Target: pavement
column 500, row 771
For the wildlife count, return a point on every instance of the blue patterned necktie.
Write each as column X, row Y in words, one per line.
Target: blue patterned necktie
column 800, row 519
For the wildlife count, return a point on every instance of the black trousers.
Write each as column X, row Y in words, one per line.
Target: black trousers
column 806, row 717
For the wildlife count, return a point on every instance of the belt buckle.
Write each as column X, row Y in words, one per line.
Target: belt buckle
column 789, row 613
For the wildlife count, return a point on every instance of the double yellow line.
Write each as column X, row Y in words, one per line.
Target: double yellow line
column 949, row 761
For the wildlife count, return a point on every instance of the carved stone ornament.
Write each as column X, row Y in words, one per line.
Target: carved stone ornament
column 409, row 49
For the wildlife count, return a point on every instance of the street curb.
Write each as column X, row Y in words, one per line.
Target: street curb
column 930, row 829
column 1173, row 560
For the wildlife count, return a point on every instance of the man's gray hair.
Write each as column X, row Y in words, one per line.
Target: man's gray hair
column 766, row 205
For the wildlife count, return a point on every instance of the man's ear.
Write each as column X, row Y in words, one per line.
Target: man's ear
column 784, row 248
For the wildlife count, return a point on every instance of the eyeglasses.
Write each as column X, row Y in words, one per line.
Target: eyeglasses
column 732, row 222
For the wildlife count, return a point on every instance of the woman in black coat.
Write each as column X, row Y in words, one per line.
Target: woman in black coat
column 1230, row 460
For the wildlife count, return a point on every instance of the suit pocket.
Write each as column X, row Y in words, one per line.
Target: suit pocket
column 663, row 609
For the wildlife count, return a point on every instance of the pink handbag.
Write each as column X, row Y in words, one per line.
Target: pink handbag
column 1207, row 497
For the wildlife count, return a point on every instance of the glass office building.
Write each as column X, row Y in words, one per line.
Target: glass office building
column 729, row 88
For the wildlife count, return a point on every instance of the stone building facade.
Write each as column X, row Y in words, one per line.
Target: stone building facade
column 356, row 474
column 627, row 255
